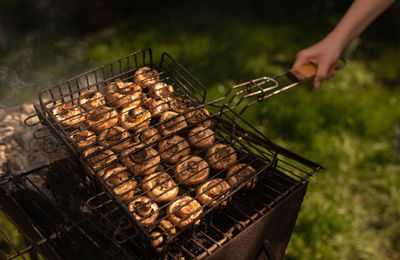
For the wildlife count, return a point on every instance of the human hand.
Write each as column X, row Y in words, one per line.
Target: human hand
column 322, row 54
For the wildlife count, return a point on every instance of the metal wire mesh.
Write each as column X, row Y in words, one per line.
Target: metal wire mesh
column 125, row 158
column 71, row 222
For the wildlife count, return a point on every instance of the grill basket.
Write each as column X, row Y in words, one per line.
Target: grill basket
column 277, row 172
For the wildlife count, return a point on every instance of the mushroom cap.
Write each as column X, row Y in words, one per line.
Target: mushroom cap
column 212, row 191
column 191, row 170
column 160, row 187
column 221, row 156
column 183, row 211
column 173, row 149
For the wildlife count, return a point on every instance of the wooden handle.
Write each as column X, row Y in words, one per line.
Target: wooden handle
column 307, row 71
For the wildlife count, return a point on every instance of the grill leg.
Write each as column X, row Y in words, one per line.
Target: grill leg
column 266, row 252
column 275, row 227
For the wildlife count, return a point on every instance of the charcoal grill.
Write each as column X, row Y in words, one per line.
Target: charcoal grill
column 99, row 219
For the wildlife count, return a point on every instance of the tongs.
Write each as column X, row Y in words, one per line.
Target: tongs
column 266, row 87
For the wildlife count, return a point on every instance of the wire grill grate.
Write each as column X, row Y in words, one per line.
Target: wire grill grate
column 124, row 214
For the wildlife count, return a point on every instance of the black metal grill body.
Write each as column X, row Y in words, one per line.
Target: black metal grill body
column 48, row 205
column 280, row 173
column 268, row 237
column 61, row 226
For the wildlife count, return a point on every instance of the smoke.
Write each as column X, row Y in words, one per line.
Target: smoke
column 36, row 64
column 11, row 81
column 39, row 47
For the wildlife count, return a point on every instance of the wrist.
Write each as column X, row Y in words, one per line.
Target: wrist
column 339, row 39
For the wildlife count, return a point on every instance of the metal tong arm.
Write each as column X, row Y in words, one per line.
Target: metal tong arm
column 266, row 87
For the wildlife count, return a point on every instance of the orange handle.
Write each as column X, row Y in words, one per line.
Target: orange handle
column 308, row 71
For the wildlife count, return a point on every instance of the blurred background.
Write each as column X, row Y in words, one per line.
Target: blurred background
column 350, row 126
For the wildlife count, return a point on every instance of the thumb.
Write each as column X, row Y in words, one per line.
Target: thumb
column 322, row 74
column 301, row 58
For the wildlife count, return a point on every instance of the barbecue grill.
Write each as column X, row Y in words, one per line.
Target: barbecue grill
column 260, row 208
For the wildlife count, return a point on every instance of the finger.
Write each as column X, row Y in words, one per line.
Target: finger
column 322, row 74
column 300, row 59
column 331, row 73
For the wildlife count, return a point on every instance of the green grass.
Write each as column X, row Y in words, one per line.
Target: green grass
column 352, row 209
column 10, row 239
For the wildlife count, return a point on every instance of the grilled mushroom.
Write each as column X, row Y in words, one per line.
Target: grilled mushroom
column 68, row 115
column 177, row 105
column 144, row 210
column 160, row 187
column 160, row 235
column 97, row 161
column 156, row 107
column 184, row 211
column 171, row 122
column 157, row 241
column 84, row 138
column 145, row 76
column 201, row 137
column 199, row 116
column 221, row 156
column 90, row 99
column 212, row 192
column 147, row 135
column 118, row 179
column 134, row 117
column 191, row 170
column 173, row 149
column 101, row 119
column 161, row 90
column 238, row 172
column 113, row 136
column 121, row 94
column 140, row 160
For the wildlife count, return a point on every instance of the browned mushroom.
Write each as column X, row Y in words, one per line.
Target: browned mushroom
column 171, row 122
column 191, row 170
column 145, row 76
column 121, row 94
column 157, row 241
column 118, row 179
column 140, row 160
column 98, row 161
column 177, row 105
column 221, row 156
column 134, row 117
column 84, row 138
column 101, row 118
column 113, row 136
column 160, row 187
column 173, row 149
column 212, row 192
column 68, row 115
column 160, row 235
column 161, row 90
column 199, row 116
column 184, row 211
column 156, row 107
column 144, row 210
column 147, row 135
column 90, row 99
column 201, row 137
column 240, row 171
